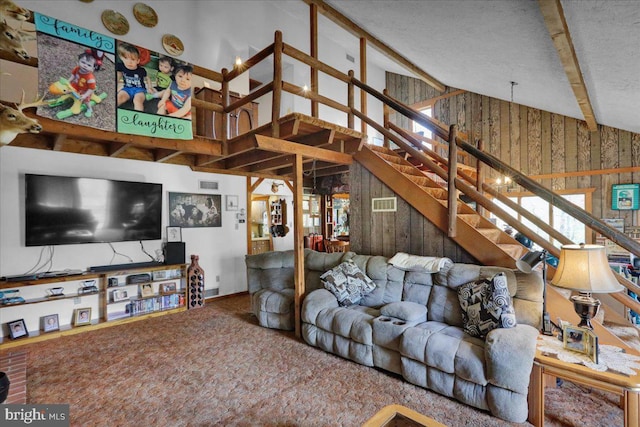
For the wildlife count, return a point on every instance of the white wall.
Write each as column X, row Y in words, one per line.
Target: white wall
column 221, row 249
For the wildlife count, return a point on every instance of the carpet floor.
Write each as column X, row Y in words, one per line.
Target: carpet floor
column 215, row 366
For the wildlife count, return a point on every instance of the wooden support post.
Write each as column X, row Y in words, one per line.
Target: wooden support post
column 313, row 28
column 350, row 101
column 363, row 78
column 480, row 172
column 453, row 170
column 277, row 85
column 298, row 243
column 225, row 116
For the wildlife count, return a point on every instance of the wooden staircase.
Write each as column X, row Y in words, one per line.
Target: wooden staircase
column 422, row 190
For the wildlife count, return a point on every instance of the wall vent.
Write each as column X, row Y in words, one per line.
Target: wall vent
column 208, row 185
column 384, row 204
column 351, row 58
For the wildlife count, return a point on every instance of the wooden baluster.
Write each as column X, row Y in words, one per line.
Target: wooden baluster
column 480, row 172
column 385, row 117
column 453, row 168
column 350, row 101
column 225, row 115
column 277, row 85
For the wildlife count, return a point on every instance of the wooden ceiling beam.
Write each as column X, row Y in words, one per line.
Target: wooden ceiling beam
column 359, row 32
column 559, row 30
column 281, row 146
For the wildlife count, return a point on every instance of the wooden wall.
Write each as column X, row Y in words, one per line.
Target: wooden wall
column 386, row 233
column 534, row 141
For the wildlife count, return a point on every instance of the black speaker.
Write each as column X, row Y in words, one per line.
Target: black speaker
column 174, row 253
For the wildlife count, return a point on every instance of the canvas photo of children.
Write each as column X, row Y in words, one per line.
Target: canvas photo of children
column 152, row 83
column 77, row 83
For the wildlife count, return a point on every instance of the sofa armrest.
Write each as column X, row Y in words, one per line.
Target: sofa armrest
column 315, row 302
column 509, row 354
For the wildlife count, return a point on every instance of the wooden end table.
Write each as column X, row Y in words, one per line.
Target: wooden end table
column 627, row 387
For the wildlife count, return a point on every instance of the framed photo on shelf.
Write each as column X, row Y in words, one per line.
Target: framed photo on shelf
column 167, row 288
column 119, row 295
column 18, row 329
column 231, row 202
column 82, row 316
column 146, row 290
column 174, row 234
column 582, row 340
column 50, row 323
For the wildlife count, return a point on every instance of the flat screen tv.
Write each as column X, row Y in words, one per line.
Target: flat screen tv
column 63, row 210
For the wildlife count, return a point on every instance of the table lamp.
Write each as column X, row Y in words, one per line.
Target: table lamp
column 585, row 268
column 526, row 264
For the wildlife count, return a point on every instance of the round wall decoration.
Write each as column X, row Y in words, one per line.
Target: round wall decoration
column 115, row 22
column 145, row 15
column 172, row 45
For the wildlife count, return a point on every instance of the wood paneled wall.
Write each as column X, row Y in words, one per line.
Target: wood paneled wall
column 386, row 233
column 534, row 141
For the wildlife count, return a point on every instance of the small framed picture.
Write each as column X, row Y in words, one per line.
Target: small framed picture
column 167, row 288
column 50, row 323
column 82, row 316
column 146, row 290
column 231, row 203
column 119, row 295
column 174, row 234
column 625, row 196
column 18, row 329
column 582, row 340
column 113, row 282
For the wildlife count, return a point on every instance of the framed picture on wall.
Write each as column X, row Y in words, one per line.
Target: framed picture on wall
column 190, row 210
column 625, row 197
column 231, row 203
column 50, row 323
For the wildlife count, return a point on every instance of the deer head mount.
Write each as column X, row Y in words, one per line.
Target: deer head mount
column 13, row 121
column 275, row 186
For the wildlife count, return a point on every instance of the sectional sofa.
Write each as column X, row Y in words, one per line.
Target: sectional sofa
column 414, row 320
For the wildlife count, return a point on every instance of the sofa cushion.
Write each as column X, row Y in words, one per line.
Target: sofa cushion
column 405, row 310
column 347, row 282
column 486, row 305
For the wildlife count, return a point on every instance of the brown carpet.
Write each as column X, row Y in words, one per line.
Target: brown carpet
column 215, row 367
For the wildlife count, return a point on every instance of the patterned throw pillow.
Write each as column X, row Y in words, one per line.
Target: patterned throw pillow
column 486, row 305
column 347, row 282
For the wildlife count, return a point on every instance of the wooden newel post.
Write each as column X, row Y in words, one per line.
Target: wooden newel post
column 350, row 100
column 277, row 85
column 453, row 169
column 480, row 171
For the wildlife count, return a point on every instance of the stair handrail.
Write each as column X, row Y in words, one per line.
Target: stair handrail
column 578, row 213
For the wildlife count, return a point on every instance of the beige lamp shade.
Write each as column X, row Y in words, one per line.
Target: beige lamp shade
column 585, row 268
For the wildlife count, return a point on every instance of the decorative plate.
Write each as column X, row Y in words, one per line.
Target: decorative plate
column 115, row 22
column 172, row 45
column 145, row 15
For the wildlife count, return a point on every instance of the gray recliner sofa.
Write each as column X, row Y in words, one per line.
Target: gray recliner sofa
column 410, row 324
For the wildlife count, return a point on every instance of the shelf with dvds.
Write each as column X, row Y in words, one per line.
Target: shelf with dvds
column 78, row 303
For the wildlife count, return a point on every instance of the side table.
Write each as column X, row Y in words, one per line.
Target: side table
column 625, row 386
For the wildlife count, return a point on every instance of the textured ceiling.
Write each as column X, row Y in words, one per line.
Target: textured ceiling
column 483, row 45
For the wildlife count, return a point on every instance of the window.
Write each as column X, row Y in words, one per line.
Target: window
column 556, row 218
column 418, row 128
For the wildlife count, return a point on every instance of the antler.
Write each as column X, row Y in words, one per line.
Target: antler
column 36, row 103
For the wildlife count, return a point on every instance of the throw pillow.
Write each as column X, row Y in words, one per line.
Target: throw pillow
column 486, row 305
column 347, row 282
column 406, row 310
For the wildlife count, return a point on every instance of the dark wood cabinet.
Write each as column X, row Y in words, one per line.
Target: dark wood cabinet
column 209, row 123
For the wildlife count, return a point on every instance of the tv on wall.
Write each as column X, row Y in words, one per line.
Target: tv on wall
column 62, row 210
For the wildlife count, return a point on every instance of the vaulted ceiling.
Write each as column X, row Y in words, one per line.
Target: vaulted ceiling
column 484, row 45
